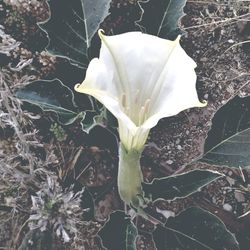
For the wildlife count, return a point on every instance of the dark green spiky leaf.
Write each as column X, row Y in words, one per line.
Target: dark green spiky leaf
column 228, row 141
column 71, row 26
column 52, row 96
column 177, row 186
column 165, row 23
column 194, row 229
column 119, row 232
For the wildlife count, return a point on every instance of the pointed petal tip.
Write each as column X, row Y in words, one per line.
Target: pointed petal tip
column 101, row 33
column 202, row 104
column 77, row 87
column 178, row 38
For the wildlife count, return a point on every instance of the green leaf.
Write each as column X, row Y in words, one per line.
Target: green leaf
column 228, row 141
column 119, row 232
column 52, row 96
column 72, row 25
column 194, row 229
column 100, row 117
column 165, row 23
column 179, row 186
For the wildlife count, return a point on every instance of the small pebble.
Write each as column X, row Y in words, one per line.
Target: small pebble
column 214, row 200
column 227, row 207
column 231, row 181
column 169, row 162
column 239, row 197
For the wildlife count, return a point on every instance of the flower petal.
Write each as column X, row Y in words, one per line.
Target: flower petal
column 138, row 60
column 132, row 140
column 141, row 78
column 99, row 84
column 177, row 88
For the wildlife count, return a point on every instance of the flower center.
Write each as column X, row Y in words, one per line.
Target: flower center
column 143, row 114
column 137, row 112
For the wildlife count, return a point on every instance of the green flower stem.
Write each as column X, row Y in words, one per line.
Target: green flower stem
column 130, row 176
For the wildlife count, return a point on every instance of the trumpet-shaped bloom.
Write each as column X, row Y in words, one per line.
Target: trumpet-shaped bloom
column 140, row 79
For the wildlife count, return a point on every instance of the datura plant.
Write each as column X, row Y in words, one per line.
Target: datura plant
column 140, row 79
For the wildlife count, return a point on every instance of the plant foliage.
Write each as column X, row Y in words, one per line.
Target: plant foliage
column 119, row 232
column 194, row 228
column 166, row 23
column 72, row 25
column 228, row 142
column 52, row 96
column 179, row 186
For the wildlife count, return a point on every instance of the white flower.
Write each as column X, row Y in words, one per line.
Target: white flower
column 140, row 79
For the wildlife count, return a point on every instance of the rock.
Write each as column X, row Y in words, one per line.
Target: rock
column 239, row 197
column 169, row 162
column 230, row 180
column 166, row 213
column 227, row 207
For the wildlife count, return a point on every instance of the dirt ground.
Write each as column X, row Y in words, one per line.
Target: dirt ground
column 215, row 37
